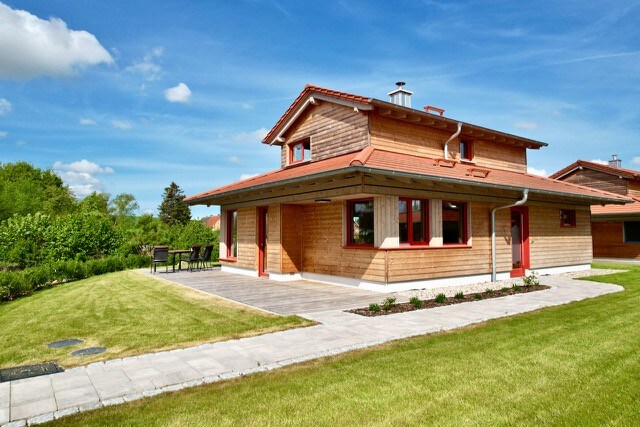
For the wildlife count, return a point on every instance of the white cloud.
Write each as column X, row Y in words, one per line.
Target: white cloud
column 599, row 161
column 147, row 67
column 21, row 143
column 234, row 159
column 180, row 93
column 636, row 160
column 121, row 124
column 522, row 124
column 248, row 175
column 253, row 136
column 3, row 134
column 32, row 47
column 246, row 106
column 87, row 122
column 5, row 106
column 534, row 171
column 82, row 166
column 79, row 176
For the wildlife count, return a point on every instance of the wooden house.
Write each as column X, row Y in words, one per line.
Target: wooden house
column 615, row 229
column 380, row 195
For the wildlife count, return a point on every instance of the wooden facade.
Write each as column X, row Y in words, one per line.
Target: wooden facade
column 308, row 219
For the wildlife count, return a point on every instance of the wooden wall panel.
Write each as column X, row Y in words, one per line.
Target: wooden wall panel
column 633, row 188
column 598, row 180
column 322, row 247
column 291, row 236
column 247, row 242
column 552, row 245
column 415, row 139
column 608, row 241
column 334, row 130
column 274, row 239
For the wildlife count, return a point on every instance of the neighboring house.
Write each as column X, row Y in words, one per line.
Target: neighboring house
column 615, row 229
column 380, row 195
column 212, row 221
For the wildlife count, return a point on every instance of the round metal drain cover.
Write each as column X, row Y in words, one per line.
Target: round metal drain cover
column 89, row 351
column 64, row 343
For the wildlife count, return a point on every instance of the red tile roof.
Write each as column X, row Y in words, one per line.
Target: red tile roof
column 631, row 208
column 625, row 173
column 374, row 160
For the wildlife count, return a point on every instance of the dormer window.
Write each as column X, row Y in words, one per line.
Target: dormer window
column 300, row 151
column 466, row 150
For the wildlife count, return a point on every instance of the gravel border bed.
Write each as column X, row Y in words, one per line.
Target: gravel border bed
column 449, row 291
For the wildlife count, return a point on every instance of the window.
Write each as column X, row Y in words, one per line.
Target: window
column 631, row 231
column 413, row 218
column 360, row 222
column 466, row 150
column 567, row 218
column 300, row 151
column 454, row 223
column 232, row 234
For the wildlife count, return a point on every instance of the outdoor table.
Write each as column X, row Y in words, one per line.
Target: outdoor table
column 178, row 252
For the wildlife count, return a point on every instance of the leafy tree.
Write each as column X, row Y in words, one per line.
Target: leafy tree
column 23, row 239
column 95, row 202
column 123, row 205
column 172, row 209
column 26, row 189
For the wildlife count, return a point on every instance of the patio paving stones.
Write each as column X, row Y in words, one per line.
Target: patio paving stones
column 117, row 381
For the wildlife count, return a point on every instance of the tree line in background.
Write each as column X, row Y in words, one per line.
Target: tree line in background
column 42, row 222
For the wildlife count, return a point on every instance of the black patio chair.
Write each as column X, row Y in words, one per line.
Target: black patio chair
column 160, row 255
column 206, row 256
column 194, row 257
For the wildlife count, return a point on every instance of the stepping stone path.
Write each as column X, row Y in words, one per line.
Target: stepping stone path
column 64, row 343
column 88, row 351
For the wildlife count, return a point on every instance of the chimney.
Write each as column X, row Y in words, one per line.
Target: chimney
column 615, row 162
column 400, row 96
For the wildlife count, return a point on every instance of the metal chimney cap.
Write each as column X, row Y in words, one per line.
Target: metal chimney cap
column 400, row 84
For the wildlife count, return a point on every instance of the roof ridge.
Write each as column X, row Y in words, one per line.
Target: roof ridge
column 362, row 156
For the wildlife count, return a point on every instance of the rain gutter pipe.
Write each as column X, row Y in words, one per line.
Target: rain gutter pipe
column 525, row 195
column 454, row 136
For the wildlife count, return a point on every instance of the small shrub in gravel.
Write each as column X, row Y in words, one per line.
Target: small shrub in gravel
column 515, row 287
column 488, row 291
column 531, row 279
column 459, row 295
column 440, row 298
column 478, row 296
column 374, row 307
column 388, row 303
column 505, row 289
column 416, row 302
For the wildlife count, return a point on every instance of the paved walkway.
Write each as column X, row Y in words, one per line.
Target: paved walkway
column 618, row 260
column 107, row 383
column 284, row 298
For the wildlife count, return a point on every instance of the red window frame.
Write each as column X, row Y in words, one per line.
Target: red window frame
column 465, row 231
column 229, row 234
column 348, row 224
column 292, row 148
column 567, row 218
column 410, row 241
column 469, row 145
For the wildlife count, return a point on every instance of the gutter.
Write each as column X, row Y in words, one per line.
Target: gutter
column 525, row 196
column 386, row 172
column 454, row 136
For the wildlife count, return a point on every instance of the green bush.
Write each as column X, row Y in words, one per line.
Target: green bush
column 23, row 239
column 488, row 291
column 416, row 302
column 440, row 298
column 388, row 303
column 374, row 307
column 515, row 287
column 459, row 295
column 531, row 279
column 15, row 284
column 478, row 296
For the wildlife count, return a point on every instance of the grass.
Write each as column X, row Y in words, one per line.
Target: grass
column 576, row 364
column 127, row 312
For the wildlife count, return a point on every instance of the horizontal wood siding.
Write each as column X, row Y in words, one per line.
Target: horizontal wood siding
column 554, row 246
column 334, row 130
column 416, row 264
column 273, row 239
column 608, row 241
column 322, row 247
column 633, row 188
column 598, row 180
column 291, row 238
column 411, row 138
column 247, row 246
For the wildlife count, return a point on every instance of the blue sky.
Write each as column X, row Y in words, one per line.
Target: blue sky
column 129, row 96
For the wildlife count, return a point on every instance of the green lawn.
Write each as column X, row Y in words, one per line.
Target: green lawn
column 128, row 312
column 577, row 364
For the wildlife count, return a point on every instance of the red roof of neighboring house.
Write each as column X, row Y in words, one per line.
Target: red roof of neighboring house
column 630, row 208
column 211, row 221
column 375, row 160
column 625, row 173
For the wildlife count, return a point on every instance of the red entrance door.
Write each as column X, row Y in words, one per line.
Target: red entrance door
column 519, row 240
column 263, row 217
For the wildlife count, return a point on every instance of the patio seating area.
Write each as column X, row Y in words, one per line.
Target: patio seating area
column 196, row 260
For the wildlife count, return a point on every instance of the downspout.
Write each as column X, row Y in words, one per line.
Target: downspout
column 454, row 136
column 525, row 195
